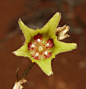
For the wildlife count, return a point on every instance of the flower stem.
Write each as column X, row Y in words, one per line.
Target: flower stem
column 26, row 71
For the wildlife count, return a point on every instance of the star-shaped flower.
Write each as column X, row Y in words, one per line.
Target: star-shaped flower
column 41, row 45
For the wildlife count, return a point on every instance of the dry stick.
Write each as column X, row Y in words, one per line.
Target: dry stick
column 26, row 71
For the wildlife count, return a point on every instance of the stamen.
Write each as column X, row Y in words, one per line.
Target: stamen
column 32, row 46
column 45, row 53
column 38, row 40
column 38, row 36
column 47, row 44
column 50, row 43
column 29, row 45
column 48, row 55
column 36, row 54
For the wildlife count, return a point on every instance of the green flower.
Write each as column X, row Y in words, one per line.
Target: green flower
column 41, row 45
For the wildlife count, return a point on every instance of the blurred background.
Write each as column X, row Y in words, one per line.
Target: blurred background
column 69, row 68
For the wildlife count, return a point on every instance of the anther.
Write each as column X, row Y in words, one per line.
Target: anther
column 38, row 40
column 37, row 37
column 29, row 46
column 32, row 46
column 48, row 55
column 49, row 43
column 36, row 54
column 45, row 53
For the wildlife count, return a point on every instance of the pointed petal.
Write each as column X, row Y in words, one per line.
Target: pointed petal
column 64, row 47
column 22, row 51
column 45, row 65
column 28, row 32
column 50, row 27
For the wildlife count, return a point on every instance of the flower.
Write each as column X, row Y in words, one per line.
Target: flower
column 41, row 45
column 18, row 84
column 61, row 32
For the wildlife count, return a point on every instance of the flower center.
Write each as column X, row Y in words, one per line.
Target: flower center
column 40, row 49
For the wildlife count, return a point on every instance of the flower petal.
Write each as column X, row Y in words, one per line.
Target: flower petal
column 51, row 25
column 45, row 65
column 63, row 47
column 22, row 51
column 28, row 32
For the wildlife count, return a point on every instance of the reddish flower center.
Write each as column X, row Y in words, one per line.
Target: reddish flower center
column 40, row 49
